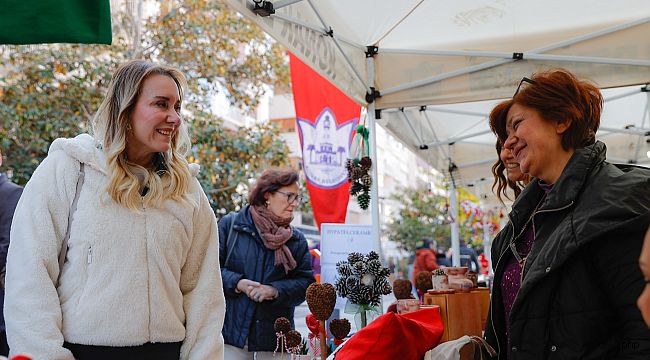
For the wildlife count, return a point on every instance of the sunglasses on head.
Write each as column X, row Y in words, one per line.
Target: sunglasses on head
column 524, row 80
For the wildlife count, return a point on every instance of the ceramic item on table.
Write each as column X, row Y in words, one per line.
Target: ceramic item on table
column 405, row 306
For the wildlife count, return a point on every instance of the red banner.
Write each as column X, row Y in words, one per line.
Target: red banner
column 326, row 119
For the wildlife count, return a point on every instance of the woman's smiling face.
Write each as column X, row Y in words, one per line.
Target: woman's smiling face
column 512, row 166
column 535, row 143
column 155, row 119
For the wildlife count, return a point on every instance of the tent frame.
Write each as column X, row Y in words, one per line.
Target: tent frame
column 501, row 58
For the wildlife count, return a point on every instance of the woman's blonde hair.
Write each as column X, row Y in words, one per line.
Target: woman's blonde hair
column 110, row 126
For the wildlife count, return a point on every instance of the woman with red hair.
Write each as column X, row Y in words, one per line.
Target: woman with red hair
column 566, row 273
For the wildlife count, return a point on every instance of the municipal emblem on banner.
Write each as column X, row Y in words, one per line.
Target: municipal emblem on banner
column 325, row 147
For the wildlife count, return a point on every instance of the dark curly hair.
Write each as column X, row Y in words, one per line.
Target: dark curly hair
column 498, row 126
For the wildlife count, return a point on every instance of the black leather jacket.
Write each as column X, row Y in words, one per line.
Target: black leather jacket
column 581, row 279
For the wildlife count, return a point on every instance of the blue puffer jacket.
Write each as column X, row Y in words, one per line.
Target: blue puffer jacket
column 250, row 259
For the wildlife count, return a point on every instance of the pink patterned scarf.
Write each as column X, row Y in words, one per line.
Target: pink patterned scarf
column 275, row 232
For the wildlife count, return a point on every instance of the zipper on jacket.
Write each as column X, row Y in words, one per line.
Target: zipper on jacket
column 510, row 245
column 523, row 266
column 90, row 254
column 146, row 255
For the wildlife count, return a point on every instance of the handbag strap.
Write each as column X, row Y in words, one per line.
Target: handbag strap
column 64, row 245
column 229, row 248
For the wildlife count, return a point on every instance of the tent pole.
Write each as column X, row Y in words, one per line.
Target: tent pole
column 487, row 246
column 641, row 139
column 338, row 46
column 460, row 112
column 526, row 56
column 433, row 131
column 415, row 133
column 374, row 188
column 459, row 138
column 322, row 31
column 453, row 209
column 623, row 95
column 282, row 3
column 631, row 131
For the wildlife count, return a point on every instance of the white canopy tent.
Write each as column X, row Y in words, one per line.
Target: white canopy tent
column 405, row 59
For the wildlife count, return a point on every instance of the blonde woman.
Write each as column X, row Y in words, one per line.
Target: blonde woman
column 137, row 277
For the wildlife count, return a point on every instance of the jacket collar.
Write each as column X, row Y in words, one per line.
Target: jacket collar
column 3, row 178
column 575, row 174
column 243, row 221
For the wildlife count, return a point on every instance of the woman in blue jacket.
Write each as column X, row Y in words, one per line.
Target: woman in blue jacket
column 265, row 265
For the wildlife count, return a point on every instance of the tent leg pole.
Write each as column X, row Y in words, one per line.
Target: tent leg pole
column 453, row 208
column 374, row 189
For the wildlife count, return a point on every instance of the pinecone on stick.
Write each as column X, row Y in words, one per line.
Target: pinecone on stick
column 294, row 339
column 321, row 299
column 340, row 328
column 282, row 324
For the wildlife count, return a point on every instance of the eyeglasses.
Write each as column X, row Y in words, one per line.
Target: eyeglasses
column 524, row 80
column 291, row 197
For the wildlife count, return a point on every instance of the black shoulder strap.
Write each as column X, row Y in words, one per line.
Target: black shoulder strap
column 230, row 248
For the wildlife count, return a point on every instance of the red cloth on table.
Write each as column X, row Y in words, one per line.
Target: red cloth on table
column 392, row 336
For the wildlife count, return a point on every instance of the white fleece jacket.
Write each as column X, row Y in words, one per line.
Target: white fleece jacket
column 129, row 278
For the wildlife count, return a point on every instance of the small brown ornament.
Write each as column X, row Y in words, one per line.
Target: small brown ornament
column 402, row 289
column 423, row 281
column 282, row 324
column 340, row 328
column 294, row 339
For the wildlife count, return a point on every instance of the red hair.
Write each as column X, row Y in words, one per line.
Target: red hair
column 558, row 96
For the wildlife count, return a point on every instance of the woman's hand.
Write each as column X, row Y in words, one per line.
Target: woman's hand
column 246, row 286
column 263, row 292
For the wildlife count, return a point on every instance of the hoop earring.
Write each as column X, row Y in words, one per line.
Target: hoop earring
column 266, row 203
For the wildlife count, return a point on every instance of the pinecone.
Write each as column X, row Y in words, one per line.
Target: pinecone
column 340, row 328
column 343, row 268
column 366, row 180
column 355, row 298
column 372, row 256
column 423, row 281
column 341, row 289
column 359, row 268
column 366, row 293
column 374, row 267
column 282, row 324
column 352, row 283
column 365, row 163
column 321, row 299
column 402, row 289
column 382, row 286
column 294, row 339
column 349, row 165
column 357, row 173
column 355, row 188
column 384, row 272
column 364, row 201
column 355, row 257
column 374, row 300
